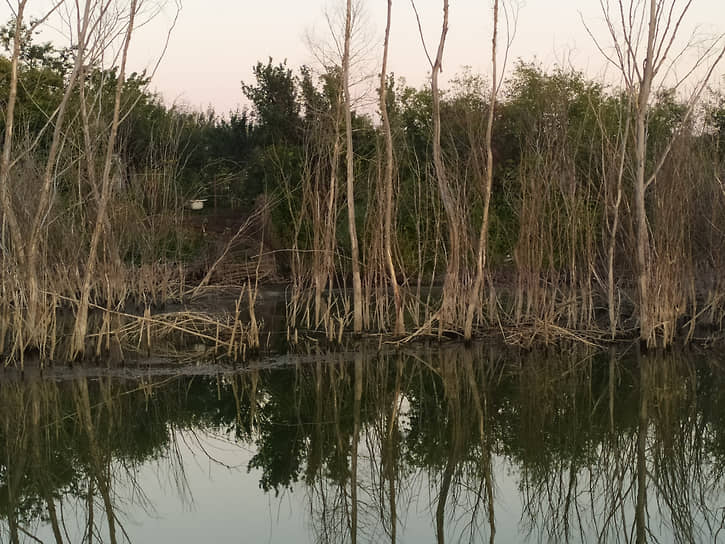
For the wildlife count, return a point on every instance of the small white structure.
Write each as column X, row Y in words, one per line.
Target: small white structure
column 197, row 204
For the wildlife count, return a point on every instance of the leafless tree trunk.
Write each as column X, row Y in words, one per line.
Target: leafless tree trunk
column 81, row 324
column 350, row 156
column 329, row 236
column 25, row 251
column 451, row 283
column 663, row 20
column 475, row 295
column 5, row 198
column 388, row 180
column 33, row 249
column 622, row 153
column 640, row 137
column 355, row 445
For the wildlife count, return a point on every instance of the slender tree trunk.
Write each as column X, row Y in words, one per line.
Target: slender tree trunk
column 5, row 197
column 38, row 460
column 388, row 180
column 613, row 235
column 355, row 251
column 88, row 142
column 474, row 301
column 642, row 229
column 442, row 499
column 329, row 235
column 33, row 249
column 479, row 403
column 90, row 502
column 451, row 283
column 325, row 227
column 81, row 324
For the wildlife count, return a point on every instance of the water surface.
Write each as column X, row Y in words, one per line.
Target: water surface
column 439, row 444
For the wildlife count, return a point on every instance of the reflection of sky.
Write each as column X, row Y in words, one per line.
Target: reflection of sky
column 218, row 501
column 227, row 506
column 210, row 497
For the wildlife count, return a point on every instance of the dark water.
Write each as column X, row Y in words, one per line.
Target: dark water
column 431, row 445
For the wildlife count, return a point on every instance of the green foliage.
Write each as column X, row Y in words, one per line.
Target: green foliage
column 33, row 55
column 275, row 103
column 551, row 130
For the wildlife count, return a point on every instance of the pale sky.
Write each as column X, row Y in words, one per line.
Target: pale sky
column 216, row 42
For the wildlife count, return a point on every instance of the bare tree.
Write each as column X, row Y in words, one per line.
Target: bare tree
column 453, row 278
column 644, row 35
column 8, row 211
column 25, row 256
column 475, row 294
column 350, row 159
column 91, row 39
column 343, row 55
column 85, row 28
column 81, row 324
column 388, row 179
column 614, row 154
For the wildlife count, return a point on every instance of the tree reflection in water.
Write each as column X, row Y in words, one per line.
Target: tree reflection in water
column 602, row 446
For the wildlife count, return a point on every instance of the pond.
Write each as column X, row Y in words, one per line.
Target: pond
column 436, row 443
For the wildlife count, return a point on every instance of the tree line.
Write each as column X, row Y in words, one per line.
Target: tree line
column 542, row 203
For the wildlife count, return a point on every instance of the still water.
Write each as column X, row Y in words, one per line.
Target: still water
column 439, row 444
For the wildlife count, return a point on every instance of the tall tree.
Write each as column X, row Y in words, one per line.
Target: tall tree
column 453, row 278
column 388, row 179
column 26, row 253
column 81, row 324
column 350, row 160
column 644, row 33
column 475, row 294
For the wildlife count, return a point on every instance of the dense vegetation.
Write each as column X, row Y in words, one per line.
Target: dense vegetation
column 96, row 171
